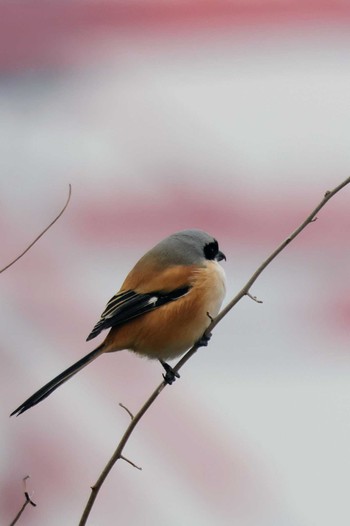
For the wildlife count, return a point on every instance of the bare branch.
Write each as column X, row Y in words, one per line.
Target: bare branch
column 118, row 453
column 243, row 292
column 41, row 234
column 310, row 219
column 27, row 501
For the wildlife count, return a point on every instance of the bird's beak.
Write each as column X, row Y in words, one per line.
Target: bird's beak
column 220, row 256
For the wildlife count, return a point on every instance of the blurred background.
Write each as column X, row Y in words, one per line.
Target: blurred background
column 232, row 117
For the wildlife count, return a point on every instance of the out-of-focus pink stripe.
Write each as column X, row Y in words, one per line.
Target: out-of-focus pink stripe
column 33, row 34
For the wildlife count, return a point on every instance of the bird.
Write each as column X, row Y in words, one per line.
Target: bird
column 162, row 309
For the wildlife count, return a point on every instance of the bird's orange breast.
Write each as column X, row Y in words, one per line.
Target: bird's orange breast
column 173, row 328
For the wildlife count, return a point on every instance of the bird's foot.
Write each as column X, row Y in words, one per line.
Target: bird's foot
column 170, row 375
column 203, row 341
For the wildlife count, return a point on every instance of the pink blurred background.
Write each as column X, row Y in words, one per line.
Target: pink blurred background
column 233, row 117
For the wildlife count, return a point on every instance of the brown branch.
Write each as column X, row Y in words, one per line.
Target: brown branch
column 311, row 218
column 243, row 292
column 26, row 502
column 118, row 453
column 41, row 234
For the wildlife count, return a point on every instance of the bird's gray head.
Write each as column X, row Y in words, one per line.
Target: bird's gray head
column 188, row 247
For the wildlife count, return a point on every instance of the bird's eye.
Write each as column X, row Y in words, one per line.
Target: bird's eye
column 211, row 250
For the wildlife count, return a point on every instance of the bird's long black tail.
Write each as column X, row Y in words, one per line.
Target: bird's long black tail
column 48, row 388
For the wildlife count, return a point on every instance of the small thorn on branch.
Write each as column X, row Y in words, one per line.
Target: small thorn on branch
column 314, row 219
column 210, row 317
column 127, row 410
column 254, row 298
column 130, row 462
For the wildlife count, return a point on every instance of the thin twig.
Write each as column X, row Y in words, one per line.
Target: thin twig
column 254, row 298
column 127, row 410
column 41, row 234
column 26, row 502
column 243, row 292
column 130, row 462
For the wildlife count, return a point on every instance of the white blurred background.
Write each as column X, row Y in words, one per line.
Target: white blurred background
column 233, row 117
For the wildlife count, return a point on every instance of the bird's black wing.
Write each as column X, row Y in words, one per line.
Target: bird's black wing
column 126, row 305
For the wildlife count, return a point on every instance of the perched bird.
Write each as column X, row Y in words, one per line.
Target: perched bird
column 163, row 307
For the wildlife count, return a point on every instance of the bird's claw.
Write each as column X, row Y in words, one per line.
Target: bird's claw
column 203, row 341
column 170, row 374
